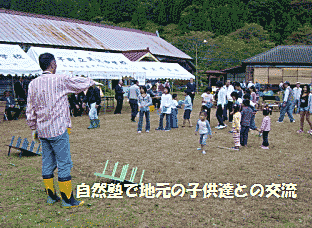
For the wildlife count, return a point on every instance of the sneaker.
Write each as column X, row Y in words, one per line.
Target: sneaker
column 158, row 129
column 147, row 131
column 231, row 132
column 167, row 130
column 293, row 121
column 139, row 132
column 217, row 126
column 233, row 148
column 265, row 147
column 198, row 148
column 204, row 152
column 230, row 122
column 279, row 122
column 221, row 127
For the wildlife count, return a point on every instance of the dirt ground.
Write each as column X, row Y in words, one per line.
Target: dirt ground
column 167, row 157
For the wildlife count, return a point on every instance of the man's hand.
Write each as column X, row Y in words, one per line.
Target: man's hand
column 83, row 105
column 193, row 92
column 77, row 106
column 35, row 136
column 12, row 106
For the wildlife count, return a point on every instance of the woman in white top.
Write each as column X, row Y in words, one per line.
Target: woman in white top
column 165, row 109
column 207, row 97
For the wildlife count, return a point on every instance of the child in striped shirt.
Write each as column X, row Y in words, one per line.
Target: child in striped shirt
column 203, row 127
column 236, row 126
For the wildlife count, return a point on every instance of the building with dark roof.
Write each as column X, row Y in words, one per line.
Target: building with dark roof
column 291, row 63
column 28, row 30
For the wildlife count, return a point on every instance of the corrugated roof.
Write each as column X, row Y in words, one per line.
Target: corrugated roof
column 18, row 27
column 284, row 54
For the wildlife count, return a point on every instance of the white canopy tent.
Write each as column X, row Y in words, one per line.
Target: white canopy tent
column 96, row 65
column 160, row 70
column 14, row 61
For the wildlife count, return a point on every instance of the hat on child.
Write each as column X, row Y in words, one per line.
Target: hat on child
column 287, row 82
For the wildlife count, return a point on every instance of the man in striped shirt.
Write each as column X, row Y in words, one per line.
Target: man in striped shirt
column 48, row 116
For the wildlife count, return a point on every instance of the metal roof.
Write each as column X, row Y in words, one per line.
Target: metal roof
column 18, row 27
column 284, row 54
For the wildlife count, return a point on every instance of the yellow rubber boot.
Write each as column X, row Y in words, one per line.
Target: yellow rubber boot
column 68, row 200
column 49, row 187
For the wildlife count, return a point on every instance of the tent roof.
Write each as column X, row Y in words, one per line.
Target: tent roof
column 13, row 60
column 156, row 70
column 92, row 64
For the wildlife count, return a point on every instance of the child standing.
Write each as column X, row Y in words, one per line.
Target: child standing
column 265, row 127
column 246, row 114
column 254, row 112
column 174, row 112
column 188, row 107
column 144, row 102
column 236, row 126
column 207, row 101
column 203, row 127
column 165, row 108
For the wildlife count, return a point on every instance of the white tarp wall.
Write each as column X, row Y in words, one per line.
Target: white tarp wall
column 160, row 70
column 96, row 65
column 13, row 60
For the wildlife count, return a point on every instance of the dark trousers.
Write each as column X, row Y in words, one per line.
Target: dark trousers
column 119, row 106
column 156, row 102
column 225, row 113
column 98, row 110
column 207, row 111
column 77, row 112
column 219, row 115
column 134, row 108
column 192, row 97
column 168, row 126
column 265, row 136
column 230, row 108
column 244, row 135
column 9, row 114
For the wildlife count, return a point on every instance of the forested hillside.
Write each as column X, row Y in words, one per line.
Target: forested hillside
column 234, row 29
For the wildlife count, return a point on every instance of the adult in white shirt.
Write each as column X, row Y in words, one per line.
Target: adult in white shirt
column 229, row 106
column 297, row 92
column 221, row 103
column 250, row 84
column 165, row 108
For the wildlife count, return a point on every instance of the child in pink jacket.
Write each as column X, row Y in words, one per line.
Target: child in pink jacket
column 265, row 127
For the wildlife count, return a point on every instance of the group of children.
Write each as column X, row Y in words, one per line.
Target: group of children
column 168, row 107
column 243, row 116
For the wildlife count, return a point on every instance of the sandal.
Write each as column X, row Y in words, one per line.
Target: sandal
column 300, row 131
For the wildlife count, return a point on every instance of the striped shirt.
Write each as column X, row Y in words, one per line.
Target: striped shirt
column 47, row 103
column 145, row 102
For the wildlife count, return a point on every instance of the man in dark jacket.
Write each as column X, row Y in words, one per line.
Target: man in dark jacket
column 93, row 99
column 190, row 86
column 19, row 88
column 10, row 106
column 76, row 103
column 119, row 97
